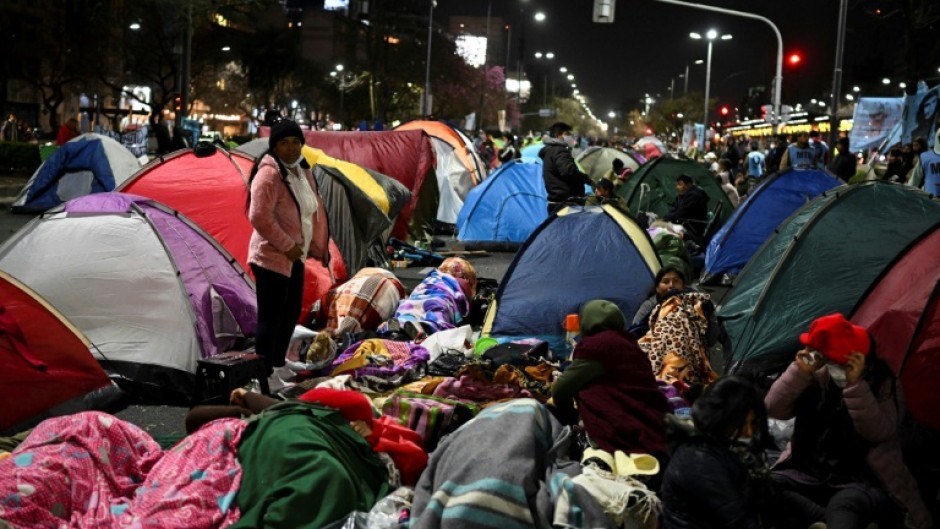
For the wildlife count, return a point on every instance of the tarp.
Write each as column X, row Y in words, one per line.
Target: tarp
column 596, row 161
column 507, row 207
column 211, row 189
column 756, row 218
column 576, row 255
column 821, row 260
column 902, row 312
column 406, row 156
column 150, row 289
column 89, row 163
column 653, row 188
column 44, row 360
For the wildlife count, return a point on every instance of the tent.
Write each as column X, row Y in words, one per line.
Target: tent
column 821, row 260
column 596, row 161
column 150, row 289
column 756, row 218
column 89, row 163
column 506, row 208
column 902, row 312
column 531, row 152
column 210, row 187
column 406, row 156
column 361, row 206
column 576, row 255
column 652, row 188
column 458, row 166
column 46, row 366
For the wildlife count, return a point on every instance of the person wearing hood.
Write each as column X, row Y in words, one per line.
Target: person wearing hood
column 717, row 473
column 843, row 466
column 612, row 382
column 288, row 224
column 563, row 180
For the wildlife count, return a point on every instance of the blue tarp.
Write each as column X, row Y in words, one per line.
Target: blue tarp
column 583, row 253
column 755, row 220
column 507, row 206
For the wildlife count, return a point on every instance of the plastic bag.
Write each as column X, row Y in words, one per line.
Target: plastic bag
column 391, row 512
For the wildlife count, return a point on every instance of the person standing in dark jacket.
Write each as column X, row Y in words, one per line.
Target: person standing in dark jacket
column 691, row 205
column 563, row 179
column 843, row 164
column 717, row 472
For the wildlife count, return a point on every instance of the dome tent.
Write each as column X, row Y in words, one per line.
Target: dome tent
column 153, row 291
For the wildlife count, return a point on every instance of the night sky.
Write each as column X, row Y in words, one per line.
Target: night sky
column 649, row 44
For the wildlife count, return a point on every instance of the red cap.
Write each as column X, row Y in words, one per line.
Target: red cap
column 836, row 338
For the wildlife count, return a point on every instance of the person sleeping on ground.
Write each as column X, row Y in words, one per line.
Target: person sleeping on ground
column 440, row 302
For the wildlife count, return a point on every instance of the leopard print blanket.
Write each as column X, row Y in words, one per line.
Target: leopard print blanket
column 676, row 341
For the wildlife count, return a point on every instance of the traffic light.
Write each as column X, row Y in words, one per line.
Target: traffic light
column 794, row 59
column 177, row 100
column 724, row 110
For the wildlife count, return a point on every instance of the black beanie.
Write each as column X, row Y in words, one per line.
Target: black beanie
column 285, row 129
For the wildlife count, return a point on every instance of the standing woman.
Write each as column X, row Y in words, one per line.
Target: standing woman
column 289, row 225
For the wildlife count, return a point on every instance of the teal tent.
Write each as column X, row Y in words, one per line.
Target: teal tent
column 822, row 260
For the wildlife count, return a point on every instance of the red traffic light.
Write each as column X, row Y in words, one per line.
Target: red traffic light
column 724, row 110
column 795, row 59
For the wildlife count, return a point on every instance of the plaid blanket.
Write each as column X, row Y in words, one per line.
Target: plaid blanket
column 363, row 302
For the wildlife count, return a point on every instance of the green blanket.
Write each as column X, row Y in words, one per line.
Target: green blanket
column 304, row 467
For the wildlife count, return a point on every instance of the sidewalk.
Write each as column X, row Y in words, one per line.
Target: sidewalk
column 10, row 186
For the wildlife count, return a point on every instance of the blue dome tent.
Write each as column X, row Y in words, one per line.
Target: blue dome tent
column 505, row 208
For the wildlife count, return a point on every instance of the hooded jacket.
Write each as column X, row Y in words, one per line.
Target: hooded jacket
column 563, row 179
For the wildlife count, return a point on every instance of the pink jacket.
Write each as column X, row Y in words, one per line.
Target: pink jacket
column 876, row 421
column 274, row 214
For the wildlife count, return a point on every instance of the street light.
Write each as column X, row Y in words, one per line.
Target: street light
column 711, row 35
column 340, row 74
column 427, row 65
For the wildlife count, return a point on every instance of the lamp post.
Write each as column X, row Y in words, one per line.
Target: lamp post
column 548, row 56
column 711, row 35
column 340, row 74
column 427, row 66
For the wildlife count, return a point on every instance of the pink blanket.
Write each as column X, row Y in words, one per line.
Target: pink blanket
column 92, row 470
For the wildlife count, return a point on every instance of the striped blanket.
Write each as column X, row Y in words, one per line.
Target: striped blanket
column 519, row 482
column 94, row 471
column 438, row 303
column 364, row 302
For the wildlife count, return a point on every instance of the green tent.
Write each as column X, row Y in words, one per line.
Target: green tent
column 652, row 188
column 821, row 260
column 596, row 161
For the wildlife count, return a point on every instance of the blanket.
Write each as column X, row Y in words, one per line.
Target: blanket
column 382, row 365
column 438, row 303
column 519, row 482
column 308, row 468
column 364, row 302
column 92, row 470
column 676, row 340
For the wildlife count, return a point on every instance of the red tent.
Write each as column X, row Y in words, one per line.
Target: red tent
column 44, row 360
column 902, row 312
column 211, row 189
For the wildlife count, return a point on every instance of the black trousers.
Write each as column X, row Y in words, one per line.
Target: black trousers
column 797, row 505
column 279, row 300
